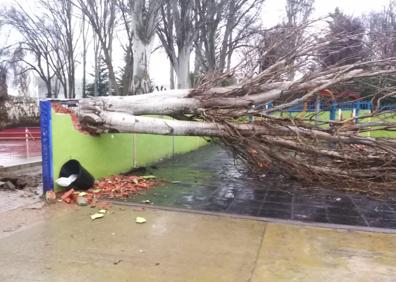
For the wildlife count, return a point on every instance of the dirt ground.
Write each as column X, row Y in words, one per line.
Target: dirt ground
column 25, row 188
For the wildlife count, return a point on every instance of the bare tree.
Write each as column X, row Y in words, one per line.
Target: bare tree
column 14, row 110
column 126, row 81
column 66, row 35
column 39, row 42
column 140, row 18
column 382, row 32
column 177, row 32
column 102, row 16
column 298, row 11
column 223, row 27
column 85, row 44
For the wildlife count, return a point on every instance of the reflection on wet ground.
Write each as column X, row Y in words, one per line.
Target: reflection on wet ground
column 11, row 150
column 209, row 180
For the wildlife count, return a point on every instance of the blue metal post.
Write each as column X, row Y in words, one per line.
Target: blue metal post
column 357, row 110
column 333, row 111
column 46, row 145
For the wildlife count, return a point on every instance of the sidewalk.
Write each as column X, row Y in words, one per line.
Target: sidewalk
column 19, row 163
column 179, row 246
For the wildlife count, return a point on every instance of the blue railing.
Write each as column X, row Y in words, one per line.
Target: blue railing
column 311, row 107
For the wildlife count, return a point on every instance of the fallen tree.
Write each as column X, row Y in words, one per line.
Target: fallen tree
column 338, row 154
column 330, row 153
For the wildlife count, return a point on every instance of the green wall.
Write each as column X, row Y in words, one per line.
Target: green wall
column 109, row 154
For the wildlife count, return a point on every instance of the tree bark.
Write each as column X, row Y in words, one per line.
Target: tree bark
column 182, row 68
column 141, row 62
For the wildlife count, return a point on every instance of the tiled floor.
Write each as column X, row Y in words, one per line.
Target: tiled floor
column 208, row 180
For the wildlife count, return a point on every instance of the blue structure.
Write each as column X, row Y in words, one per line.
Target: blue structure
column 46, row 145
column 333, row 111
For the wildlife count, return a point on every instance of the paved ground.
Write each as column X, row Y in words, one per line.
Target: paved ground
column 209, row 180
column 15, row 151
column 61, row 243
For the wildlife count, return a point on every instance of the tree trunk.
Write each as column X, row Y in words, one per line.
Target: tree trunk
column 112, row 78
column 182, row 69
column 127, row 76
column 171, row 76
column 97, row 53
column 141, row 77
column 84, row 57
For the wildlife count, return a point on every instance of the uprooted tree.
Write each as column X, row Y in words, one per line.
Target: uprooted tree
column 330, row 153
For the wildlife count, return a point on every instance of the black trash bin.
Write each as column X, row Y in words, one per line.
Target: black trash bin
column 84, row 179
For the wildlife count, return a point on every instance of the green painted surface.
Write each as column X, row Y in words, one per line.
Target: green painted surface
column 100, row 155
column 154, row 148
column 113, row 153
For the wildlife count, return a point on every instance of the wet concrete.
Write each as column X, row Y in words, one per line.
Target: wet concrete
column 15, row 151
column 209, row 180
column 172, row 246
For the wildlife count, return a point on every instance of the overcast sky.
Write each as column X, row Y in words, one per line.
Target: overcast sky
column 274, row 9
column 273, row 13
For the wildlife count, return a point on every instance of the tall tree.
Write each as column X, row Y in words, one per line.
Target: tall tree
column 102, row 15
column 344, row 40
column 297, row 14
column 381, row 28
column 85, row 44
column 298, row 11
column 61, row 13
column 40, row 41
column 140, row 18
column 223, row 25
column 177, row 32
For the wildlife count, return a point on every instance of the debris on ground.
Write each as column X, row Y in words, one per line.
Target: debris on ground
column 7, row 185
column 50, row 197
column 97, row 215
column 149, row 177
column 19, row 182
column 140, row 220
column 69, row 196
column 111, row 187
column 82, row 201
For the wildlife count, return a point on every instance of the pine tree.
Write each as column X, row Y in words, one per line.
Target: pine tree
column 102, row 82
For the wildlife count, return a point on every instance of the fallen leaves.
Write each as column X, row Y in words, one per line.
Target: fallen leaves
column 111, row 187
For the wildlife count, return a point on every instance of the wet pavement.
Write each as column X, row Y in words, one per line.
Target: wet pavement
column 12, row 151
column 61, row 243
column 209, row 180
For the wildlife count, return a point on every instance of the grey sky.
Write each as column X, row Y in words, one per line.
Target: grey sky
column 274, row 9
